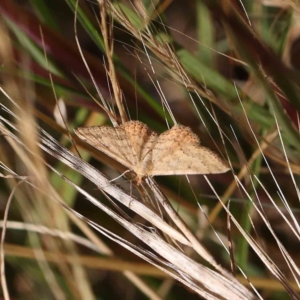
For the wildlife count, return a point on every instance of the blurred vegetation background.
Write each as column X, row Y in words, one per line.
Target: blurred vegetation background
column 236, row 61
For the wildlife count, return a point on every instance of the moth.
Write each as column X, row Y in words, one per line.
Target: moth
column 176, row 151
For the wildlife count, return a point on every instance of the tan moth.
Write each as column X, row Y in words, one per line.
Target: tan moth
column 176, row 151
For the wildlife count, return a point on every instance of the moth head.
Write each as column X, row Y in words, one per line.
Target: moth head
column 130, row 175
